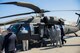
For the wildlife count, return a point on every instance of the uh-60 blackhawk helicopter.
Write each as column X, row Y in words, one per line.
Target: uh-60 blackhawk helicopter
column 31, row 28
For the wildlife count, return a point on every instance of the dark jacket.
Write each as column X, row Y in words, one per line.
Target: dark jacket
column 1, row 41
column 9, row 42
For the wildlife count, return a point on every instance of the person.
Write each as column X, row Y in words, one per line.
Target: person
column 58, row 35
column 55, row 35
column 1, row 40
column 52, row 33
column 25, row 31
column 9, row 43
column 62, row 31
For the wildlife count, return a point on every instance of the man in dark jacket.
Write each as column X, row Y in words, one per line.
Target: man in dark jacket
column 9, row 42
column 62, row 31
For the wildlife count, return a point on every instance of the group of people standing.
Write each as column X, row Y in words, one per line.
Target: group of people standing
column 56, row 33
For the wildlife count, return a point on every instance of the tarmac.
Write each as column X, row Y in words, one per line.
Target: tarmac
column 72, row 46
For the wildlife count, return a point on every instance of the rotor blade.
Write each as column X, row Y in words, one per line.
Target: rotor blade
column 23, row 14
column 16, row 15
column 11, row 21
column 23, row 4
column 44, row 11
column 62, row 10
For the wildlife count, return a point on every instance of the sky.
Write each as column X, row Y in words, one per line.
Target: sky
column 44, row 4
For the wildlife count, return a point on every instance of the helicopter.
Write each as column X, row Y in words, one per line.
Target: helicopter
column 33, row 24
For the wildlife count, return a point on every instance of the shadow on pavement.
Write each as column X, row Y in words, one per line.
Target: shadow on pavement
column 72, row 45
column 51, row 47
column 48, row 47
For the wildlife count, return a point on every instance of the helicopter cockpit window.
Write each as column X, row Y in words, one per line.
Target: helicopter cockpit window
column 25, row 29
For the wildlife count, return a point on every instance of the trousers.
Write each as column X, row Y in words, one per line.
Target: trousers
column 13, row 51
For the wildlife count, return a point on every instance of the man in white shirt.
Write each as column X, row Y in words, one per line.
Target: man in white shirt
column 55, row 34
column 58, row 35
column 25, row 42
